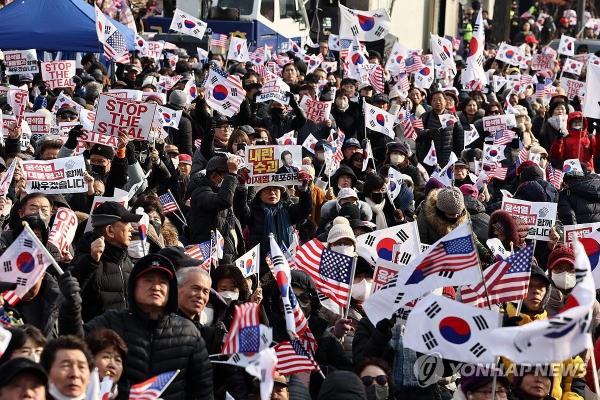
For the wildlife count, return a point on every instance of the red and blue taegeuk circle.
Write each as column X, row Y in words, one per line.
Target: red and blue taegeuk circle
column 455, row 330
column 25, row 262
column 366, row 22
column 189, row 24
column 385, row 248
column 220, row 92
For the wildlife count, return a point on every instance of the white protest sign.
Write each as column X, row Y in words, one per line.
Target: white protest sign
column 130, row 94
column 153, row 49
column 17, row 99
column 58, row 73
column 115, row 114
column 38, row 123
column 64, row 100
column 497, row 248
column 21, row 62
column 275, row 89
column 62, row 175
column 578, row 231
column 383, row 273
column 542, row 61
column 63, row 229
column 316, row 111
column 591, row 105
column 495, row 123
column 87, row 119
column 540, row 216
column 572, row 87
column 272, row 165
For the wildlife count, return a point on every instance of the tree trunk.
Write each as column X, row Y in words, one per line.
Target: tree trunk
column 501, row 21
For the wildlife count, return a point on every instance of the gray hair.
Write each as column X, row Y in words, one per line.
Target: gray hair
column 182, row 274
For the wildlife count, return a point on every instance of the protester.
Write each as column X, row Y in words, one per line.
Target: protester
column 22, row 379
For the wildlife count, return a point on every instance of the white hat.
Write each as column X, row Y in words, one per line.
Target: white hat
column 346, row 193
column 340, row 230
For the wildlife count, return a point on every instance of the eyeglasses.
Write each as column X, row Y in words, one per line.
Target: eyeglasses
column 380, row 379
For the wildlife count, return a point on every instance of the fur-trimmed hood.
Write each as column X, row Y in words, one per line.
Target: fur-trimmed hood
column 431, row 215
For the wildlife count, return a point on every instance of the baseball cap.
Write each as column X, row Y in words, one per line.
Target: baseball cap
column 154, row 262
column 10, row 369
column 110, row 212
column 185, row 159
column 351, row 142
column 104, row 151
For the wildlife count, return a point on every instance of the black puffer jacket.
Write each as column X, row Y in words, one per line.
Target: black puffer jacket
column 212, row 208
column 103, row 284
column 446, row 140
column 170, row 343
column 42, row 311
column 579, row 203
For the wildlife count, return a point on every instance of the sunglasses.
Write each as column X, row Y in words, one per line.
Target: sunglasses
column 380, row 379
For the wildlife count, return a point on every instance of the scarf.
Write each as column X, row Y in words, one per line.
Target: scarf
column 380, row 220
column 277, row 222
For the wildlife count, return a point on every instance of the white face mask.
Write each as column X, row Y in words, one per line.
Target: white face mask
column 564, row 280
column 345, row 249
column 136, row 248
column 207, row 316
column 361, row 290
column 229, row 296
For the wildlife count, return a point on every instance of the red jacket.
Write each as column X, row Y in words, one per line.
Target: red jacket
column 578, row 144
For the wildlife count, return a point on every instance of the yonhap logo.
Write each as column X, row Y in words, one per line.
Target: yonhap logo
column 428, row 369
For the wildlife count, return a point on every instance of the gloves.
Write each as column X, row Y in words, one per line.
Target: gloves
column 384, row 327
column 42, row 89
column 130, row 153
column 77, row 80
column 293, row 102
column 512, row 321
column 69, row 287
column 74, row 133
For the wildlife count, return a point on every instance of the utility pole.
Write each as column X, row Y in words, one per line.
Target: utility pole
column 501, row 21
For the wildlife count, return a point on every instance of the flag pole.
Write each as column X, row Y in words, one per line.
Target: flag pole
column 487, row 296
column 179, row 209
column 347, row 309
column 43, row 248
column 595, row 371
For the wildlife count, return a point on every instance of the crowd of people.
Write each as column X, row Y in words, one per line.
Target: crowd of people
column 130, row 307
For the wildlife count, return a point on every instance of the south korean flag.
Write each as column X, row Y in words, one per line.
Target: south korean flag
column 451, row 329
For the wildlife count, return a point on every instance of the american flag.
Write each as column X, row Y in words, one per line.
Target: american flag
column 377, row 79
column 555, row 176
column 244, row 334
column 403, row 83
column 496, row 171
column 293, row 358
column 505, row 280
column 522, row 153
column 504, row 137
column 417, row 123
column 338, row 156
column 201, row 252
column 115, row 48
column 152, row 388
column 218, row 40
column 526, row 79
column 409, row 130
column 446, row 258
column 330, row 271
column 168, row 202
column 413, row 64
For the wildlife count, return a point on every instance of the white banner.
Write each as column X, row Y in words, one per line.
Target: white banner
column 272, row 165
column 21, row 62
column 63, row 229
column 62, row 175
column 58, row 73
column 539, row 216
column 578, row 231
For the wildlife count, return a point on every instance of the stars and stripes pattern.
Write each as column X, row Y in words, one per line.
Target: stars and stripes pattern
column 152, row 388
column 409, row 130
column 403, row 83
column 377, row 79
column 168, row 202
column 330, row 271
column 293, row 358
column 522, row 153
column 505, row 280
column 413, row 64
column 202, row 252
column 218, row 40
column 496, row 171
column 504, row 137
column 446, row 258
column 115, row 48
column 555, row 176
column 244, row 334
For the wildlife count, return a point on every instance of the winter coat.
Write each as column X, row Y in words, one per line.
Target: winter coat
column 579, row 203
column 182, row 137
column 578, row 144
column 446, row 140
column 479, row 218
column 212, row 208
column 349, row 121
column 329, row 211
column 167, row 344
column 42, row 311
column 104, row 283
column 431, row 226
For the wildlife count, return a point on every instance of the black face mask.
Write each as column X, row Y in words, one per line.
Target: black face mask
column 99, row 170
column 377, row 197
column 356, row 157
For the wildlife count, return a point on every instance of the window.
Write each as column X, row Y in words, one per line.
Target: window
column 267, row 9
column 287, row 9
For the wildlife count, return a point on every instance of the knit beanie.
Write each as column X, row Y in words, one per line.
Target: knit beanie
column 524, row 165
column 373, row 182
column 450, row 201
column 532, row 173
column 431, row 184
column 178, row 98
column 469, row 190
column 560, row 254
column 340, row 229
